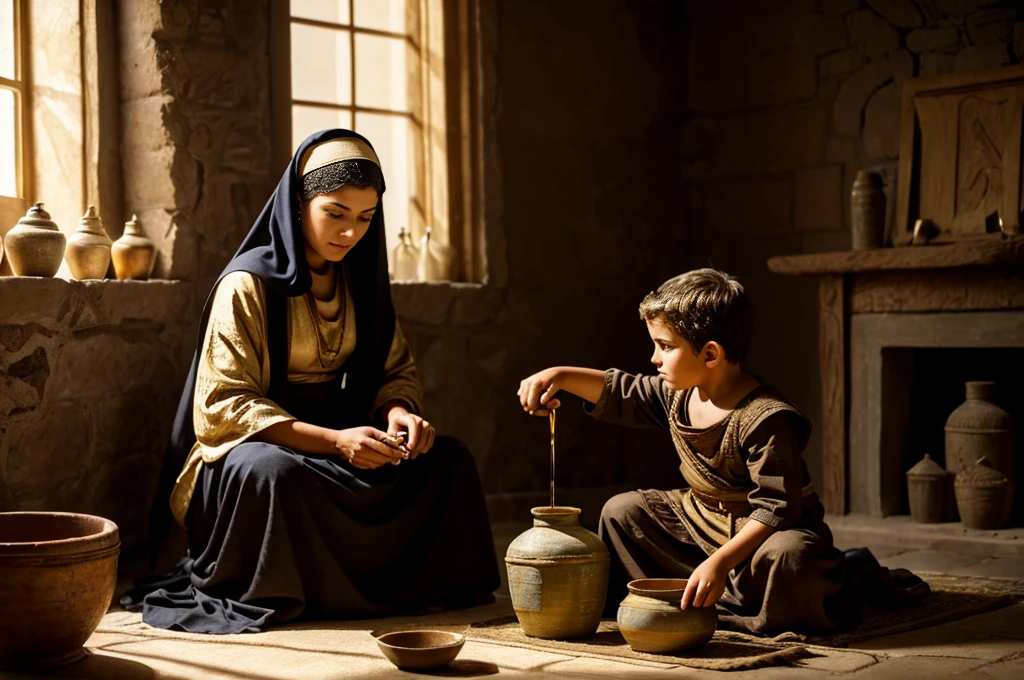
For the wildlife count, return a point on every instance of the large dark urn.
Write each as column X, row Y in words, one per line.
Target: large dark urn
column 57, row 576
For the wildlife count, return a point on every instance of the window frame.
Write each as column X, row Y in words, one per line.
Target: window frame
column 464, row 132
column 13, row 208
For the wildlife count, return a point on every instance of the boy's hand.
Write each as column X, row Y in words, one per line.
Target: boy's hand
column 706, row 584
column 537, row 393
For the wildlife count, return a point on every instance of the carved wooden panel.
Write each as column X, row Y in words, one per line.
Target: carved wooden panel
column 960, row 154
column 832, row 349
column 974, row 288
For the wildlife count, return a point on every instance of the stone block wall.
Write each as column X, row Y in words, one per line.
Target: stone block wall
column 786, row 102
column 90, row 373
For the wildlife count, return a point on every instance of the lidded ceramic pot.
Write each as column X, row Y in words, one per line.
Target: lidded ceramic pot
column 35, row 246
column 558, row 576
column 984, row 496
column 651, row 621
column 926, row 488
column 978, row 427
column 88, row 252
column 133, row 254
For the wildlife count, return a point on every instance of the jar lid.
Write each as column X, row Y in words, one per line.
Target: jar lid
column 37, row 217
column 981, row 474
column 90, row 222
column 981, row 389
column 927, row 467
column 132, row 227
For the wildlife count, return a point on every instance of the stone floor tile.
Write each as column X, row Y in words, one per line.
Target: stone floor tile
column 1007, row 622
column 510, row 657
column 1012, row 669
column 838, row 661
column 945, row 640
column 996, row 567
column 901, row 668
column 934, row 561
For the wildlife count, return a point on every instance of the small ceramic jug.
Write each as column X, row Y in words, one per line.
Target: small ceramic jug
column 405, row 257
column 88, row 252
column 434, row 261
column 867, row 211
column 35, row 246
column 133, row 253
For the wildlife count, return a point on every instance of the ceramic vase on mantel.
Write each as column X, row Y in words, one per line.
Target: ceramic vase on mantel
column 88, row 252
column 867, row 211
column 926, row 488
column 558, row 576
column 35, row 246
column 133, row 254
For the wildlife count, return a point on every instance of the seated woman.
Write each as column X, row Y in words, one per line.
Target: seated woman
column 307, row 481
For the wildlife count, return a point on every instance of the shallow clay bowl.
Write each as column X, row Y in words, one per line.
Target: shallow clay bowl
column 57, row 576
column 421, row 649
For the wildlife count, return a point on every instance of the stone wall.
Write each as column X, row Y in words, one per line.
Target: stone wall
column 584, row 116
column 90, row 373
column 786, row 101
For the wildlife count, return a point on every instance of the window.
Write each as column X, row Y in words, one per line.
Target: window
column 13, row 174
column 390, row 70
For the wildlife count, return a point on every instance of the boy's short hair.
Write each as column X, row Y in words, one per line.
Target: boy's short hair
column 704, row 305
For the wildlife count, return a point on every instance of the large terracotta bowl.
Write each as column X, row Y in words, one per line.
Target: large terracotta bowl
column 651, row 621
column 57, row 571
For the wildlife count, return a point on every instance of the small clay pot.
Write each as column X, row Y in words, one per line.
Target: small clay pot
column 134, row 254
column 984, row 496
column 926, row 487
column 35, row 246
column 88, row 252
column 558, row 576
column 57, row 574
column 867, row 208
column 421, row 649
column 651, row 621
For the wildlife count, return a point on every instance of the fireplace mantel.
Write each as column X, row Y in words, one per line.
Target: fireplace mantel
column 983, row 275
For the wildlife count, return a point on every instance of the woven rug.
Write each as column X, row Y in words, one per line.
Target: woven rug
column 952, row 598
column 727, row 651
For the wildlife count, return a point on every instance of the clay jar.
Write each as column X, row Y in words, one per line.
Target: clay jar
column 35, row 247
column 88, row 253
column 58, row 571
column 134, row 255
column 651, row 621
column 926, row 488
column 558, row 576
column 867, row 211
column 980, row 428
column 984, row 496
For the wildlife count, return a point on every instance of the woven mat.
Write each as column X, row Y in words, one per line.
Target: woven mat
column 727, row 651
column 952, row 598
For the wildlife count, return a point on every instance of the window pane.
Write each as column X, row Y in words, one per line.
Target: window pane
column 321, row 64
column 8, row 140
column 383, row 15
column 381, row 73
column 335, row 11
column 390, row 138
column 308, row 119
column 7, row 39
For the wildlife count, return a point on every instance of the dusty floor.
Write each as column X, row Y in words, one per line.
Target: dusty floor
column 985, row 646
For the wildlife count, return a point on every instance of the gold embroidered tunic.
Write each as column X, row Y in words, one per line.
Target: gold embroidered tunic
column 233, row 376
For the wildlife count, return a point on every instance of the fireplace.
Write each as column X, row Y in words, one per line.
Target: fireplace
column 901, row 331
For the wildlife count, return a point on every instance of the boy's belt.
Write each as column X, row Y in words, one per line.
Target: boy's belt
column 735, row 502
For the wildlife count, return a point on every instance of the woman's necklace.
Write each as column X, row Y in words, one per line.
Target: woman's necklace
column 328, row 343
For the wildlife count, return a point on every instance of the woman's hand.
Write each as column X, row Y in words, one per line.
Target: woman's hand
column 706, row 584
column 419, row 434
column 536, row 393
column 366, row 447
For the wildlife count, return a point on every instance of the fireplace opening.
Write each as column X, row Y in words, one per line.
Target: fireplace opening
column 920, row 388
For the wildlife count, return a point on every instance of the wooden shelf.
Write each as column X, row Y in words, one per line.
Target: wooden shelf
column 940, row 256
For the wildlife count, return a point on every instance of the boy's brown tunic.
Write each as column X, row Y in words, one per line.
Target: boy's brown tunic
column 746, row 466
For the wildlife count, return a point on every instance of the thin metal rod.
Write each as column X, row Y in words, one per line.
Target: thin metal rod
column 551, row 422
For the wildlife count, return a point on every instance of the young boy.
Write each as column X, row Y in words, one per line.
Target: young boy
column 748, row 532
